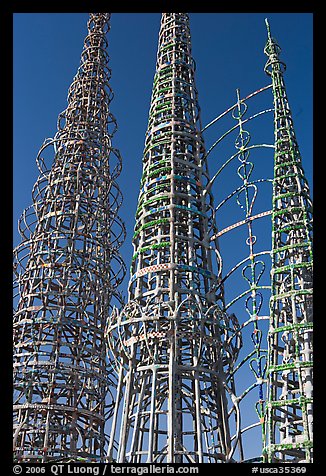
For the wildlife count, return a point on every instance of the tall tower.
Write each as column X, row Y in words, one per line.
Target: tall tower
column 168, row 340
column 289, row 407
column 67, row 269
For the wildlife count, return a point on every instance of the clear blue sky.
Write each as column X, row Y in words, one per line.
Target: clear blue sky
column 228, row 50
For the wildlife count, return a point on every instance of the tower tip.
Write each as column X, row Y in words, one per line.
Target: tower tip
column 268, row 27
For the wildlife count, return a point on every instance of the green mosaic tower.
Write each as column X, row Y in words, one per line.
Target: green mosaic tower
column 172, row 405
column 289, row 408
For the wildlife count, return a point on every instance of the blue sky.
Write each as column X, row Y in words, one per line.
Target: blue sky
column 228, row 50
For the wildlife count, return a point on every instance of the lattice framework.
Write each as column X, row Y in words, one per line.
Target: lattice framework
column 67, row 270
column 169, row 342
column 289, row 409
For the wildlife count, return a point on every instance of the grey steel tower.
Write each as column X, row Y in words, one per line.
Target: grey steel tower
column 289, row 405
column 67, row 270
column 169, row 342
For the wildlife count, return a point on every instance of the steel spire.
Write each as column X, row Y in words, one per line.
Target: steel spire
column 67, row 269
column 168, row 341
column 289, row 407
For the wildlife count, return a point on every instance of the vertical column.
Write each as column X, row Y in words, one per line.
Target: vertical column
column 67, row 270
column 169, row 336
column 289, row 408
